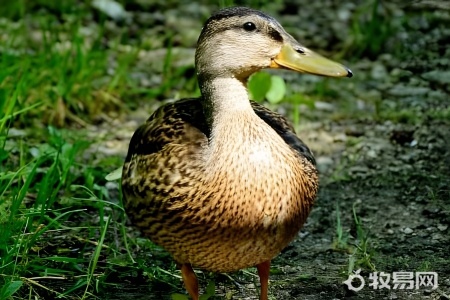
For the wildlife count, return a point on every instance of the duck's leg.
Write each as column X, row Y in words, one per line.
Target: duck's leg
column 263, row 272
column 190, row 280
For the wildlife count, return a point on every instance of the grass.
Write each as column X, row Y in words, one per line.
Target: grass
column 54, row 75
column 371, row 29
column 342, row 236
column 60, row 220
column 42, row 199
column 359, row 247
column 63, row 70
column 363, row 253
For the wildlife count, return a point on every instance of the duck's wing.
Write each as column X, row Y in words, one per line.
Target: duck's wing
column 162, row 157
column 286, row 131
column 177, row 122
column 162, row 162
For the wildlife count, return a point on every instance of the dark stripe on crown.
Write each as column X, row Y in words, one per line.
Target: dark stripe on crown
column 236, row 11
column 241, row 12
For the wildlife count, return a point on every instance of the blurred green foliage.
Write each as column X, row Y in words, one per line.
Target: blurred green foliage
column 263, row 86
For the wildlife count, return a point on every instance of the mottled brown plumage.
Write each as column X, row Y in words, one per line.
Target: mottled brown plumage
column 221, row 182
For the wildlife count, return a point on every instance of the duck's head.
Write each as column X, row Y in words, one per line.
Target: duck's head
column 239, row 41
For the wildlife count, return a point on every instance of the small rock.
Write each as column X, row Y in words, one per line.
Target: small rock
column 342, row 137
column 442, row 227
column 324, row 163
column 289, row 270
column 112, row 185
column 344, row 14
column 397, row 72
column 402, row 91
column 303, row 234
column 13, row 132
column 378, row 71
column 325, row 106
column 112, row 9
column 437, row 236
column 440, row 76
column 371, row 153
column 408, row 230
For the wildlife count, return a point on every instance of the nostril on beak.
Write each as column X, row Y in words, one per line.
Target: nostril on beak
column 349, row 73
column 300, row 50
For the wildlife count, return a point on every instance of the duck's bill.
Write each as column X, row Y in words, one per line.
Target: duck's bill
column 306, row 61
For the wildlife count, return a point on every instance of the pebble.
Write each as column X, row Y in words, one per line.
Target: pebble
column 371, row 153
column 439, row 76
column 401, row 91
column 320, row 105
column 378, row 71
column 112, row 9
column 437, row 236
column 324, row 163
column 442, row 227
column 112, row 185
column 408, row 230
column 14, row 132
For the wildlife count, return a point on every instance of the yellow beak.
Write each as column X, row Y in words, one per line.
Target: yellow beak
column 306, row 61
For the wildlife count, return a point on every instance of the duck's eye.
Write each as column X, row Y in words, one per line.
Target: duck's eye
column 249, row 26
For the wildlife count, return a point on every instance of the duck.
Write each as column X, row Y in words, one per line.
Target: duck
column 221, row 182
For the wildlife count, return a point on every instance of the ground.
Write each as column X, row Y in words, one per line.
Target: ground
column 381, row 140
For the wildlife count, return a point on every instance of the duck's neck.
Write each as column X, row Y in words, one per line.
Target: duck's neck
column 235, row 129
column 224, row 98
